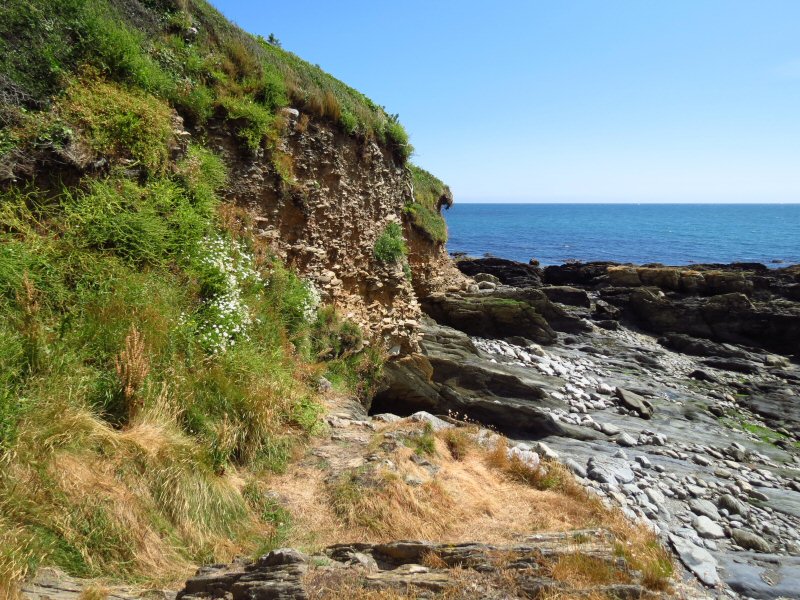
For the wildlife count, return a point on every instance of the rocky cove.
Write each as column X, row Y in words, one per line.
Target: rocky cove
column 670, row 392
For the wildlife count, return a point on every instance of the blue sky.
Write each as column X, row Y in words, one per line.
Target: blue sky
column 572, row 100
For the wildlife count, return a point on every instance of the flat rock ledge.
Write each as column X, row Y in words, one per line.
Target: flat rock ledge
column 423, row 570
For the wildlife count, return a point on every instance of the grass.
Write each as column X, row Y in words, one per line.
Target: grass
column 390, row 247
column 144, row 47
column 422, row 442
column 125, row 424
column 118, row 123
column 430, row 194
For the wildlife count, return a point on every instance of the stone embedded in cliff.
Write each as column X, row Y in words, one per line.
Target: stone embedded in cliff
column 633, row 401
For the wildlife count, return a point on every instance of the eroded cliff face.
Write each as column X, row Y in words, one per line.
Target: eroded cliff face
column 322, row 199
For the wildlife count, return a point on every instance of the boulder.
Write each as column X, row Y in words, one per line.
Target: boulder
column 750, row 541
column 633, row 401
column 707, row 529
column 698, row 560
column 564, row 294
column 507, row 272
column 614, row 471
column 489, row 316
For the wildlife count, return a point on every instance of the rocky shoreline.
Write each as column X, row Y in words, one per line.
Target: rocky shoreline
column 673, row 393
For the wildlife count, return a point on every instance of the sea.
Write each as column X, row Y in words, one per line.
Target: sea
column 672, row 234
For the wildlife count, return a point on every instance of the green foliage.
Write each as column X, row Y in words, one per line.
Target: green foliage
column 424, row 212
column 390, row 247
column 397, row 138
column 119, row 123
column 271, row 512
column 430, row 222
column 78, row 274
column 350, row 364
column 253, row 121
column 149, row 224
column 423, row 442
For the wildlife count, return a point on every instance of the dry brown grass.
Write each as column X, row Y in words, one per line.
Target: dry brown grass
column 94, row 592
column 132, row 365
column 470, row 499
column 582, row 571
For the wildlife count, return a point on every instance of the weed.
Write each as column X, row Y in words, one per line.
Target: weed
column 132, row 367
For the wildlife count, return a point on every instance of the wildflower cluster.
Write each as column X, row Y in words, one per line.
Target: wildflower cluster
column 225, row 268
column 310, row 305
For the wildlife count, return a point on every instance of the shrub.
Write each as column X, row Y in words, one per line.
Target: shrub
column 390, row 247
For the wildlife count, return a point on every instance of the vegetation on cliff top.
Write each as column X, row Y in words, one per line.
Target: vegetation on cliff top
column 425, row 211
column 181, row 51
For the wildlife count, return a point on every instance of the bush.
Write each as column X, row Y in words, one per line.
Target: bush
column 397, row 138
column 390, row 247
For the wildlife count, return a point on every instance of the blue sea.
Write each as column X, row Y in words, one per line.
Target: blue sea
column 673, row 234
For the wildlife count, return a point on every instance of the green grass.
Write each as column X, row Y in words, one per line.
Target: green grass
column 390, row 247
column 423, row 442
column 44, row 43
column 429, row 196
column 735, row 420
column 154, row 357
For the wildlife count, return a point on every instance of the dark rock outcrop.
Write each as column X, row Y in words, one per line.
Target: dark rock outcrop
column 509, row 272
column 449, row 376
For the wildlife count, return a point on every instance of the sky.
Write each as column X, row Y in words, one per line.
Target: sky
column 571, row 100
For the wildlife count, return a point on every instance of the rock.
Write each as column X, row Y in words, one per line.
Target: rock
column 282, row 556
column 546, row 451
column 626, row 440
column 575, row 467
column 482, row 277
column 435, row 422
column 508, row 272
column 707, row 529
column 609, row 429
column 490, row 316
column 750, row 541
column 698, row 560
column 567, row 295
column 701, row 375
column 733, row 364
column 701, row 506
column 387, row 418
column 609, row 470
column 716, row 410
column 733, row 505
column 528, row 457
column 701, row 460
column 635, row 402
